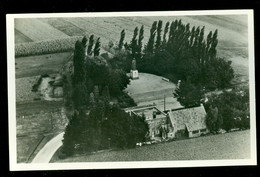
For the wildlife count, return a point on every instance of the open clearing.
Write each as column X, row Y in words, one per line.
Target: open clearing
column 150, row 87
column 234, row 145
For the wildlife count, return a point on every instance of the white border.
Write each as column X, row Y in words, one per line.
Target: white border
column 119, row 165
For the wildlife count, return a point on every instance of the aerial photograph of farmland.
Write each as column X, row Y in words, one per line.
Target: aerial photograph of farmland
column 132, row 88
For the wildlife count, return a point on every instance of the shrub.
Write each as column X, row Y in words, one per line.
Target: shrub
column 46, row 47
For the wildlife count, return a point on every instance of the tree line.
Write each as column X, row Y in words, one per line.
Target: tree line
column 179, row 52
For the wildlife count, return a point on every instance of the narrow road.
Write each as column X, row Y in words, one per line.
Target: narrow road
column 46, row 153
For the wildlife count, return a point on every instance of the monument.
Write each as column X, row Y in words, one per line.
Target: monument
column 134, row 71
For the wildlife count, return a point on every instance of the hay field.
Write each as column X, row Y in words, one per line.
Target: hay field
column 235, row 145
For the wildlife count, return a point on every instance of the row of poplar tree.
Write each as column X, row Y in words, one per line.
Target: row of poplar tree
column 179, row 51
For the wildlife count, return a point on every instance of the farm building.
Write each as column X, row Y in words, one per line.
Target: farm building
column 190, row 122
column 156, row 119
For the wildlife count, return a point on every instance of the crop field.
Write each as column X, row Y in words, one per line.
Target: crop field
column 37, row 30
column 234, row 145
column 40, row 64
column 20, row 37
column 64, row 26
column 230, row 28
column 232, row 31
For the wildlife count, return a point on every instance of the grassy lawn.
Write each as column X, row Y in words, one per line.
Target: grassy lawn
column 234, row 145
column 40, row 64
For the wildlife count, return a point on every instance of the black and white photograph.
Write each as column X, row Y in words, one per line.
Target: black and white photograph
column 131, row 89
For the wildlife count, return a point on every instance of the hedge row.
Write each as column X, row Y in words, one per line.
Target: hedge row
column 46, row 47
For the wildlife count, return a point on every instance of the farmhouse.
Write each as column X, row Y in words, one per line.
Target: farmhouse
column 190, row 122
column 184, row 122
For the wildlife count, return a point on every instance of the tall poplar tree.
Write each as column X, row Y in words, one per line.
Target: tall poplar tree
column 97, row 48
column 133, row 43
column 121, row 41
column 150, row 44
column 139, row 42
column 159, row 39
column 166, row 29
column 90, row 45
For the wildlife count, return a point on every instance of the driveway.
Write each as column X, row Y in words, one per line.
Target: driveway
column 46, row 153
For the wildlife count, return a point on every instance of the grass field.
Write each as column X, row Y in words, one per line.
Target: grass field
column 40, row 64
column 234, row 145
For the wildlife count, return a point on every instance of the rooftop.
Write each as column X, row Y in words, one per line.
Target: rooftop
column 192, row 118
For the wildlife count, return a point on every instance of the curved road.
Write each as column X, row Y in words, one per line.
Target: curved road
column 46, row 153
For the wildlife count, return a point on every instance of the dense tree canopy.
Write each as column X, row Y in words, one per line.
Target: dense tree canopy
column 181, row 53
column 233, row 110
column 188, row 94
column 104, row 127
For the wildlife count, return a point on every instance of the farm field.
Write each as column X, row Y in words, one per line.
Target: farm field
column 37, row 30
column 20, row 37
column 235, row 145
column 40, row 64
column 232, row 32
column 36, row 123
